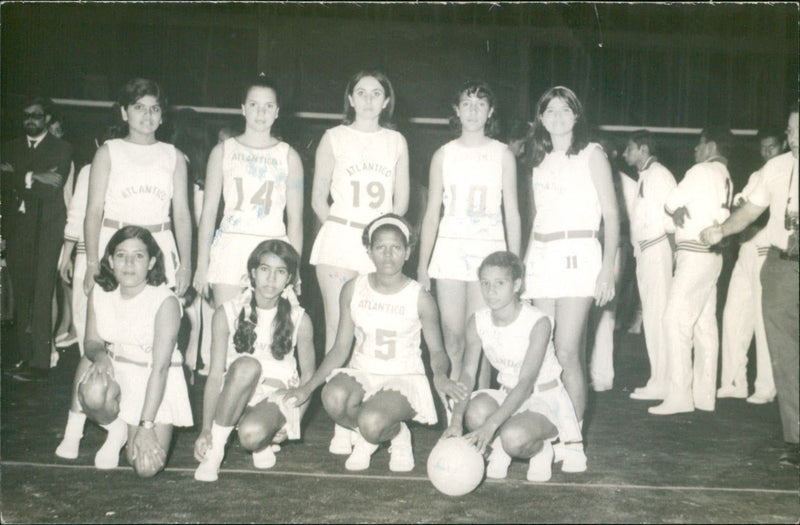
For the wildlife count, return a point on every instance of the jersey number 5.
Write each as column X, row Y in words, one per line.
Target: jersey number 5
column 385, row 343
column 262, row 197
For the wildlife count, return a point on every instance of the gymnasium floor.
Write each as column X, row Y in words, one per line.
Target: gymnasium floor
column 701, row 467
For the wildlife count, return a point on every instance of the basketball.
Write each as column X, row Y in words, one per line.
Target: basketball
column 455, row 467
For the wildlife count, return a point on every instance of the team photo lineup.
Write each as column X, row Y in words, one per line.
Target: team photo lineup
column 490, row 317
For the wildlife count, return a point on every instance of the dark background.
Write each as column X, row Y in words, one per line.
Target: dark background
column 667, row 65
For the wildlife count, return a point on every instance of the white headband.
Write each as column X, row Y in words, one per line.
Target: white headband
column 389, row 220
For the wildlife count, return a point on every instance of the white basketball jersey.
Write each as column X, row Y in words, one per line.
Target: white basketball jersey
column 129, row 323
column 564, row 193
column 284, row 370
column 472, row 180
column 140, row 182
column 362, row 183
column 506, row 346
column 387, row 329
column 254, row 188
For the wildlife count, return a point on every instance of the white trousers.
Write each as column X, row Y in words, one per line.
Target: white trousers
column 654, row 277
column 601, row 364
column 690, row 321
column 741, row 319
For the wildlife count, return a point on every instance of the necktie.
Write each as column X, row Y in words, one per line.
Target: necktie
column 31, row 145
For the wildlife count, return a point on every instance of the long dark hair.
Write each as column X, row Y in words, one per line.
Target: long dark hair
column 155, row 275
column 540, row 143
column 385, row 119
column 282, row 328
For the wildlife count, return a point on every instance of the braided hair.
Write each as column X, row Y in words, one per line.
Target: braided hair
column 282, row 326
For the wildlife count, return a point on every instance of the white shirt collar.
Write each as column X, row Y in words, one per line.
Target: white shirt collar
column 36, row 140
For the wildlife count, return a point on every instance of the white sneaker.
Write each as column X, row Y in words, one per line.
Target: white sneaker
column 401, row 454
column 264, row 459
column 362, row 452
column 573, row 458
column 108, row 456
column 732, row 391
column 648, row 393
column 342, row 442
column 759, row 399
column 499, row 461
column 672, row 406
column 68, row 448
column 208, row 470
column 540, row 467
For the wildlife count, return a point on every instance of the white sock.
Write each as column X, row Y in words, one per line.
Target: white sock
column 108, row 455
column 68, row 448
column 219, row 438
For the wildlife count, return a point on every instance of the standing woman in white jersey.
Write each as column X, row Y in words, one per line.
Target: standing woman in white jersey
column 362, row 165
column 471, row 177
column 566, row 268
column 259, row 176
column 135, row 180
column 383, row 382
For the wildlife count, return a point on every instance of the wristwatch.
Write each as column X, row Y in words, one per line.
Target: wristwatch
column 146, row 424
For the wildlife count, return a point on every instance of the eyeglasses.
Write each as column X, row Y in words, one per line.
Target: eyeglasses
column 35, row 116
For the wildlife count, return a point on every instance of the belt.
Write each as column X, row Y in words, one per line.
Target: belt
column 154, row 228
column 123, row 359
column 783, row 254
column 538, row 388
column 352, row 224
column 571, row 234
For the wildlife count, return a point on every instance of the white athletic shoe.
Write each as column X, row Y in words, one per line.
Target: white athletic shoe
column 499, row 461
column 401, row 454
column 108, row 456
column 362, row 453
column 264, row 459
column 732, row 391
column 672, row 406
column 342, row 442
column 759, row 399
column 648, row 393
column 68, row 448
column 573, row 458
column 540, row 467
column 208, row 470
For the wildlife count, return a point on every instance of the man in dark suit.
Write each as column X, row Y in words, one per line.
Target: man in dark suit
column 34, row 170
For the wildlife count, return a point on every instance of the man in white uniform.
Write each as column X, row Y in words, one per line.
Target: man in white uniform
column 653, row 254
column 742, row 316
column 779, row 277
column 701, row 199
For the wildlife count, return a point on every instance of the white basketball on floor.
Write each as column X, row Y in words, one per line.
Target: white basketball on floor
column 455, row 467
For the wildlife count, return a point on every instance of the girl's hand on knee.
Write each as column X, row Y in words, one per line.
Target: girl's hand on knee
column 147, row 452
column 280, row 436
column 482, row 436
column 202, row 444
column 446, row 387
column 296, row 396
column 453, row 431
column 102, row 365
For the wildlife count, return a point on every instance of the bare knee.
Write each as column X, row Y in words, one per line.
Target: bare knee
column 243, row 372
column 518, row 443
column 253, row 433
column 337, row 394
column 373, row 425
column 478, row 411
